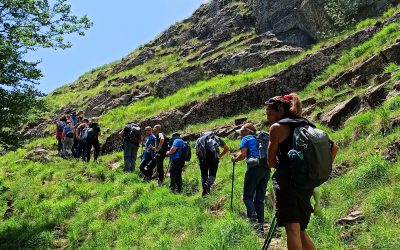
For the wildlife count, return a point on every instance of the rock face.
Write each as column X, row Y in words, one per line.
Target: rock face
column 106, row 100
column 177, row 80
column 337, row 116
column 300, row 22
column 295, row 77
column 251, row 60
column 375, row 95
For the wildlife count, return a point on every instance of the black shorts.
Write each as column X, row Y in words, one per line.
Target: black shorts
column 292, row 205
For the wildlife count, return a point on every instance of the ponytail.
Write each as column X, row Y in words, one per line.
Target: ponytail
column 295, row 109
column 290, row 103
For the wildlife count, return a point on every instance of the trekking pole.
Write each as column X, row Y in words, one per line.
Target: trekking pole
column 233, row 177
column 271, row 232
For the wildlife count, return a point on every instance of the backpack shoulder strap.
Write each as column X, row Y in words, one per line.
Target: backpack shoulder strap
column 296, row 122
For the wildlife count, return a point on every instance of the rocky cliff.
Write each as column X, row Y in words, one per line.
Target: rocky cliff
column 222, row 37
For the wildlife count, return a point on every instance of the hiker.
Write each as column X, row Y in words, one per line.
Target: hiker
column 256, row 177
column 82, row 140
column 293, row 205
column 59, row 133
column 93, row 140
column 147, row 164
column 208, row 155
column 68, row 138
column 76, row 138
column 176, row 163
column 161, row 149
column 131, row 135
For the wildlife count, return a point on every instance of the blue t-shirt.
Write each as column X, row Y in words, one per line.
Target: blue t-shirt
column 151, row 140
column 250, row 142
column 178, row 143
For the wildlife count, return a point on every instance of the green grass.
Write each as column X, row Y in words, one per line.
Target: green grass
column 381, row 40
column 151, row 106
column 70, row 204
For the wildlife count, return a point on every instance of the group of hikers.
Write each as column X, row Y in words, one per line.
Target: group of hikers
column 279, row 149
column 76, row 136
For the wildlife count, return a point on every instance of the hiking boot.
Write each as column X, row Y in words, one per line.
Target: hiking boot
column 206, row 190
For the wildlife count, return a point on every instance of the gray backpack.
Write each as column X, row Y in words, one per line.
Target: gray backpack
column 310, row 158
column 207, row 144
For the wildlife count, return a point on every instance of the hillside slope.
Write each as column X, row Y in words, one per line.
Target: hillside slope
column 213, row 71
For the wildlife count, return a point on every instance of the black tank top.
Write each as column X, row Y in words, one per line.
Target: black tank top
column 283, row 149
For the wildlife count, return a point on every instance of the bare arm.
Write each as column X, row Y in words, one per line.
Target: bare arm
column 241, row 156
column 334, row 150
column 172, row 150
column 272, row 151
column 224, row 151
column 160, row 143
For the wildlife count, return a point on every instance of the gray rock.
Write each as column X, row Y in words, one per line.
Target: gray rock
column 301, row 22
column 251, row 60
column 177, row 80
column 128, row 62
column 375, row 95
column 337, row 116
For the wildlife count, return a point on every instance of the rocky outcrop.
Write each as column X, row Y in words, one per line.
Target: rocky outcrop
column 294, row 78
column 360, row 75
column 130, row 61
column 246, row 59
column 251, row 59
column 253, row 96
column 375, row 95
column 301, row 22
column 124, row 80
column 177, row 80
column 108, row 100
column 337, row 116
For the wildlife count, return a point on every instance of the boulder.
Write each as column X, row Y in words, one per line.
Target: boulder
column 375, row 95
column 337, row 116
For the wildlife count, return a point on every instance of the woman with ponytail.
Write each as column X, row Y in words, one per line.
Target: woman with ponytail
column 293, row 206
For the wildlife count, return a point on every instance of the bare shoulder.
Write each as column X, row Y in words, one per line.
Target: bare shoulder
column 279, row 131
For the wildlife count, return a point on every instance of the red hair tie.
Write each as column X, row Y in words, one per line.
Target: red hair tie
column 287, row 97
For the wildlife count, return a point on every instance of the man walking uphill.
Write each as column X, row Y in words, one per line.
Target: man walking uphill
column 176, row 162
column 132, row 137
column 161, row 149
column 208, row 155
column 147, row 163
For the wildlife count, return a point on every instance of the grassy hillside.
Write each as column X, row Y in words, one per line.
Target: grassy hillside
column 49, row 202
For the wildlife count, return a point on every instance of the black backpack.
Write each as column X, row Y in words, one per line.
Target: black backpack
column 186, row 153
column 134, row 133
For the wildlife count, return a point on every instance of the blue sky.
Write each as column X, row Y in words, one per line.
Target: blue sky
column 120, row 26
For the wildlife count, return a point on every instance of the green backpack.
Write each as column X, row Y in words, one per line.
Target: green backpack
column 310, row 158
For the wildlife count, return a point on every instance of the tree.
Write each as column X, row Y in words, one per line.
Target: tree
column 26, row 25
